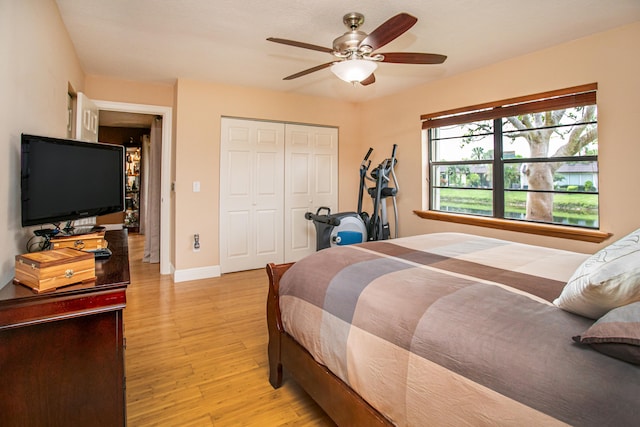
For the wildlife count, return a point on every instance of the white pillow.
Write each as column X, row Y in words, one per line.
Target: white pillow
column 608, row 279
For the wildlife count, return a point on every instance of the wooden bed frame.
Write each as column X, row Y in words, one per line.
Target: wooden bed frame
column 335, row 397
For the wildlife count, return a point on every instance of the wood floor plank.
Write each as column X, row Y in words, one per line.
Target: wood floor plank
column 197, row 353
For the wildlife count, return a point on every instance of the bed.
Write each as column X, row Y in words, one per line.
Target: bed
column 456, row 329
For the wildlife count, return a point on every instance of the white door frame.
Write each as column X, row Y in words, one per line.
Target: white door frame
column 165, row 171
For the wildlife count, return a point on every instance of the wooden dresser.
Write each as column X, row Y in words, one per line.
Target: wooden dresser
column 62, row 352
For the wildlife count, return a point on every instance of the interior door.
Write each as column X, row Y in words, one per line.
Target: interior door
column 311, row 181
column 86, row 119
column 251, row 194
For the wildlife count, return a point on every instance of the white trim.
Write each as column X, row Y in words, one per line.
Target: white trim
column 165, row 174
column 196, row 273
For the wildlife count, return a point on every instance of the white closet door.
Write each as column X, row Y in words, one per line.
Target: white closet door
column 251, row 194
column 311, row 181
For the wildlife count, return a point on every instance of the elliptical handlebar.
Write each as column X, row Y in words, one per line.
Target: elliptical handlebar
column 325, row 219
column 364, row 168
column 366, row 157
column 393, row 164
column 396, row 189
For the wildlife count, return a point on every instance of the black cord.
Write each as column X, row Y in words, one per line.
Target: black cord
column 41, row 244
column 44, row 236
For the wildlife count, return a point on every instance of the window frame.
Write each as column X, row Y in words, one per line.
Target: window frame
column 576, row 96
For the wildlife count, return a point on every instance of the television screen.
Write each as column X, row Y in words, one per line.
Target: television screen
column 64, row 179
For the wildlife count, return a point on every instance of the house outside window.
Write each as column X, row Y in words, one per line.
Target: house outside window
column 531, row 159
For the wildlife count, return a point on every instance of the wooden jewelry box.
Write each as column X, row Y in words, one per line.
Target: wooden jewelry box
column 47, row 270
column 87, row 242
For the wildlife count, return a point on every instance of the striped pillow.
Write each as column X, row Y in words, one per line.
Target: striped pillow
column 616, row 334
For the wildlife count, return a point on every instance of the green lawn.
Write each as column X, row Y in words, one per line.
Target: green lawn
column 573, row 207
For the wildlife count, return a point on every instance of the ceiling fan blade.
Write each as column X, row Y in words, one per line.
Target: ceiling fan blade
column 368, row 80
column 309, row 71
column 389, row 30
column 300, row 44
column 413, row 58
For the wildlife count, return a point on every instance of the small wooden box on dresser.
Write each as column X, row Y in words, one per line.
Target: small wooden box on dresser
column 62, row 352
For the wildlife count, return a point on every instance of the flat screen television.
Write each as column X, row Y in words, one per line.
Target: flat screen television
column 65, row 180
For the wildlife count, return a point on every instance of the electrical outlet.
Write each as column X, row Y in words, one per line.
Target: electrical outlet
column 196, row 242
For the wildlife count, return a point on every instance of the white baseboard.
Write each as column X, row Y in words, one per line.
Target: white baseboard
column 196, row 273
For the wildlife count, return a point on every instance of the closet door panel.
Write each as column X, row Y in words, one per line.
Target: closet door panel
column 300, row 241
column 268, row 201
column 325, row 175
column 237, row 244
column 311, row 157
column 300, row 164
column 267, row 221
column 251, row 194
column 239, row 185
column 267, row 180
column 326, row 140
column 298, row 237
column 326, row 167
column 236, row 248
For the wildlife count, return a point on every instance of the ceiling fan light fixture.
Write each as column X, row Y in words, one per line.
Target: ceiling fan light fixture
column 354, row 52
column 354, row 70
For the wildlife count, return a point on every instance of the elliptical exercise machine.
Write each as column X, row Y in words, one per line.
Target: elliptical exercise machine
column 345, row 228
column 378, row 225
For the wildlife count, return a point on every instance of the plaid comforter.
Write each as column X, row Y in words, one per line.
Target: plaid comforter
column 453, row 329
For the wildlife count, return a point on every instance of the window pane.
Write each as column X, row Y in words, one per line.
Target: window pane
column 477, row 202
column 463, row 175
column 513, row 177
column 542, row 135
column 469, row 141
column 568, row 208
column 548, row 176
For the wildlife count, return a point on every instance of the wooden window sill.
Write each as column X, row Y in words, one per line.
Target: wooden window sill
column 563, row 232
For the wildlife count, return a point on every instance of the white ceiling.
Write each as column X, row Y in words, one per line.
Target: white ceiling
column 224, row 40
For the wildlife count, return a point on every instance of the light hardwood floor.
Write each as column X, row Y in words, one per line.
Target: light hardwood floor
column 197, row 353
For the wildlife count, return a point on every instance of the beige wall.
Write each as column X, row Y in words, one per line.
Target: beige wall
column 611, row 59
column 105, row 88
column 38, row 65
column 199, row 108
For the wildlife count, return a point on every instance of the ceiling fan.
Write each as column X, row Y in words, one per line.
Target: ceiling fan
column 355, row 49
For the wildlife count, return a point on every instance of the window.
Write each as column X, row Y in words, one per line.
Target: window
column 528, row 159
